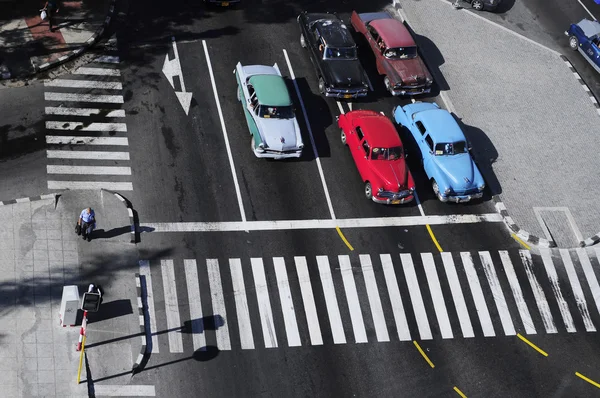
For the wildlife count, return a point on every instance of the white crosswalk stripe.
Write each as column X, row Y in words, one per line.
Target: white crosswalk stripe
column 538, row 293
column 358, row 324
column 415, row 296
column 395, row 297
column 312, row 319
column 509, row 270
column 374, row 298
column 457, row 295
column 436, row 294
column 195, row 303
column 492, row 277
column 145, row 272
column 287, row 304
column 218, row 305
column 65, row 111
column 555, row 283
column 589, row 274
column 241, row 304
column 482, row 310
column 84, row 84
column 264, row 303
column 577, row 290
column 171, row 306
column 335, row 319
column 97, row 72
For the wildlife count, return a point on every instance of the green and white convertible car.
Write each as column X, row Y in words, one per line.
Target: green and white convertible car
column 269, row 112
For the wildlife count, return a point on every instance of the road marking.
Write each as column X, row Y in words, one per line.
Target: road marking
column 109, row 59
column 538, row 349
column 171, row 306
column 589, row 274
column 577, row 291
column 415, row 296
column 335, row 319
column 75, row 140
column 339, row 231
column 587, row 10
column 435, row 289
column 374, row 299
column 538, row 292
column 478, row 297
column 93, row 155
column 145, row 272
column 310, row 133
column 423, row 354
column 419, row 206
column 264, row 303
column 517, row 292
column 499, row 299
column 340, row 107
column 194, row 301
column 97, row 72
column 64, row 111
column 287, row 304
column 312, row 319
column 459, row 392
column 109, row 99
column 457, row 296
column 435, row 242
column 173, row 68
column 89, row 170
column 520, row 241
column 79, row 126
column 241, row 304
column 83, row 185
column 395, row 297
column 95, row 84
column 218, row 304
column 554, row 282
column 225, row 136
column 107, row 390
column 592, row 382
column 358, row 323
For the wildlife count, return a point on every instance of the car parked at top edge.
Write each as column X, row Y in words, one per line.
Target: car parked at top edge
column 396, row 53
column 379, row 156
column 444, row 150
column 487, row 5
column 333, row 53
column 269, row 112
column 584, row 37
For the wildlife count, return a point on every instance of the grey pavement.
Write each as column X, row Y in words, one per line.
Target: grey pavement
column 531, row 123
column 39, row 254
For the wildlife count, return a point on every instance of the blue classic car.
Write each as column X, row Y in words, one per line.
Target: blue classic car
column 584, row 37
column 444, row 150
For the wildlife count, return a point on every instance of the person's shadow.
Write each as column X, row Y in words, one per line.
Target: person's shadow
column 102, row 234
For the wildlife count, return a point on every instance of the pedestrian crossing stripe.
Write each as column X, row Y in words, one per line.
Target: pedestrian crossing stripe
column 272, row 302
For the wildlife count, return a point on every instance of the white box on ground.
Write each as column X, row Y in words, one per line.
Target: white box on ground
column 69, row 305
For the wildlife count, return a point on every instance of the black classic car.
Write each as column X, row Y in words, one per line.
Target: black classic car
column 333, row 53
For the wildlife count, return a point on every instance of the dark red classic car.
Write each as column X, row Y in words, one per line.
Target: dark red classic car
column 396, row 52
column 379, row 156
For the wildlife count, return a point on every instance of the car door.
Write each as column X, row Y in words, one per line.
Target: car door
column 316, row 46
column 377, row 45
column 428, row 154
column 356, row 143
column 591, row 49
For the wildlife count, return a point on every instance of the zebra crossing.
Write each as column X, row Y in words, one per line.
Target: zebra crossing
column 276, row 302
column 85, row 129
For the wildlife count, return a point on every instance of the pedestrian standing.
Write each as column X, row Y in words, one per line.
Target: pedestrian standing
column 87, row 221
column 51, row 8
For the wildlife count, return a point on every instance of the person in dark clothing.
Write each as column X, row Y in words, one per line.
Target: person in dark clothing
column 51, row 8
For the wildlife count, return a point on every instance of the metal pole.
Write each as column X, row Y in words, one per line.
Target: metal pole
column 81, row 360
column 82, row 331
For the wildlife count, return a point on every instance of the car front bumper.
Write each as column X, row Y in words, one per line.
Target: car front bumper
column 390, row 201
column 459, row 198
column 345, row 94
column 411, row 91
column 278, row 155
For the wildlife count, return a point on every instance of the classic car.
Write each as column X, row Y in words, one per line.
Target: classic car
column 379, row 156
column 445, row 153
column 584, row 37
column 269, row 112
column 395, row 52
column 487, row 5
column 332, row 51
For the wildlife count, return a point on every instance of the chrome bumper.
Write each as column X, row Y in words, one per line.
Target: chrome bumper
column 409, row 91
column 460, row 198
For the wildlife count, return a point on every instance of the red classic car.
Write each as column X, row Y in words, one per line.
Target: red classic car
column 379, row 156
column 396, row 52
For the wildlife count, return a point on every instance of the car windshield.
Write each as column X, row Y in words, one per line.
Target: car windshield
column 392, row 153
column 450, row 148
column 340, row 53
column 276, row 112
column 401, row 53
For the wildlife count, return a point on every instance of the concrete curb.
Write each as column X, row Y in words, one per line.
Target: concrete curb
column 526, row 236
column 585, row 87
column 141, row 313
column 30, row 199
column 129, row 211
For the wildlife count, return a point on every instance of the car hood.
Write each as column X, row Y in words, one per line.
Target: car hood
column 411, row 71
column 459, row 170
column 345, row 74
column 393, row 174
column 279, row 134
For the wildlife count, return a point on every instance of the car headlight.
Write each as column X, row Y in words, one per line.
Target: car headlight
column 429, row 80
column 448, row 191
column 301, row 146
column 380, row 190
column 411, row 189
column 481, row 187
column 260, row 147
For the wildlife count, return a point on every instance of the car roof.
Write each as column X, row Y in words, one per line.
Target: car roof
column 271, row 90
column 393, row 32
column 334, row 32
column 590, row 28
column 441, row 126
column 379, row 130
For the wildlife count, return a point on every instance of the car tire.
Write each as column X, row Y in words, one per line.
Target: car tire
column 368, row 190
column 343, row 138
column 477, row 5
column 321, row 85
column 388, row 85
column 573, row 43
column 237, row 93
column 302, row 41
column 435, row 187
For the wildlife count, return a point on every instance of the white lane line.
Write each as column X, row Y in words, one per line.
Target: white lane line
column 264, row 303
column 79, row 126
column 85, row 185
column 89, row 170
column 478, row 297
column 340, row 107
column 587, row 10
column 75, row 140
column 395, row 297
column 107, row 99
column 224, row 130
column 195, row 303
column 457, row 295
column 97, row 72
column 374, row 299
column 241, row 304
column 95, row 84
column 122, row 390
column 312, row 319
column 589, row 274
column 358, row 323
column 538, row 292
column 335, row 319
column 577, row 291
column 310, row 133
column 517, row 292
column 415, row 296
column 419, row 206
column 64, row 111
column 108, row 59
column 287, row 304
column 554, row 282
column 437, row 296
column 171, row 306
column 499, row 299
column 145, row 272
column 218, row 304
column 92, row 155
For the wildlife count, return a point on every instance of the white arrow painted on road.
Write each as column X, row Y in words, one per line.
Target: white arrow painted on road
column 172, row 68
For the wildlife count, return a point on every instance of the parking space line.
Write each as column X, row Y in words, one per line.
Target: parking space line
column 224, row 129
column 423, row 354
column 586, row 9
column 340, row 107
column 312, row 140
column 459, row 392
column 529, row 343
column 592, row 382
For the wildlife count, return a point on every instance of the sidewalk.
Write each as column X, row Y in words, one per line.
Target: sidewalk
column 28, row 46
column 39, row 254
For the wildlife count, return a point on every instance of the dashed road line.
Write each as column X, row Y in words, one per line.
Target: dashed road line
column 529, row 343
column 423, row 354
column 592, row 382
